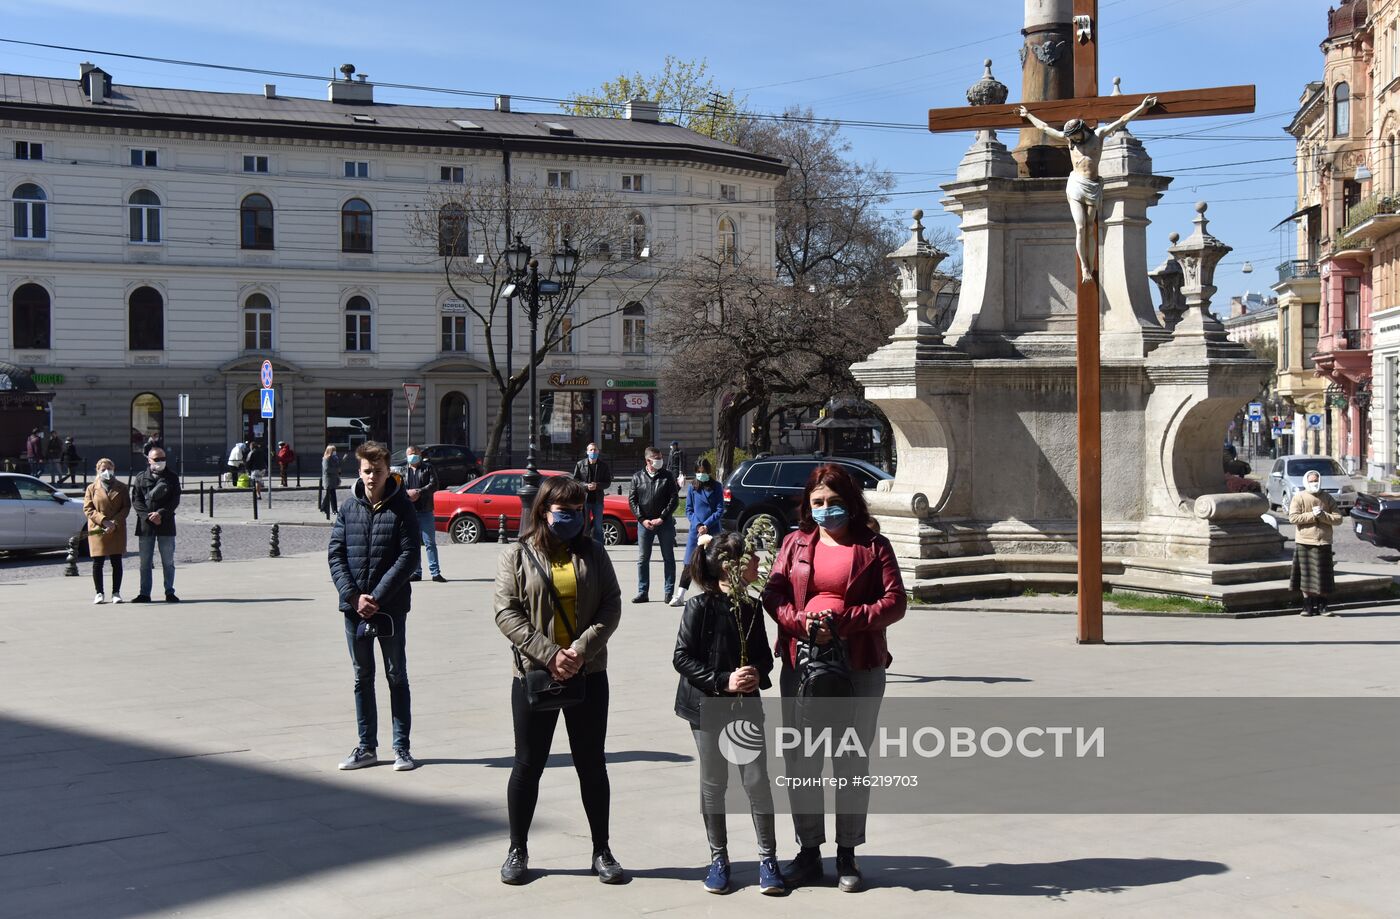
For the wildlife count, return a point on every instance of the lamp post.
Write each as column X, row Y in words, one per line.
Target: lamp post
column 525, row 280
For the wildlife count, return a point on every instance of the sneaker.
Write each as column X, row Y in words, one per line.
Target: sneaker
column 1324, row 611
column 141, row 598
column 717, row 881
column 359, row 758
column 100, row 598
column 439, row 579
column 640, row 598
column 607, row 868
column 1306, row 613
column 416, row 577
column 678, row 600
column 805, row 869
column 770, row 878
column 848, row 877
column 116, row 598
column 171, row 598
column 516, row 866
column 666, row 599
column 404, row 761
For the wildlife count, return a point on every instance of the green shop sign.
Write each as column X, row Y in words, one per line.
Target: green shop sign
column 47, row 379
column 631, row 384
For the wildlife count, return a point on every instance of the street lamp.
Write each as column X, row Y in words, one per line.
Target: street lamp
column 525, row 281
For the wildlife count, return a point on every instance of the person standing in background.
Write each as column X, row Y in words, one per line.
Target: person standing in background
column 285, row 456
column 330, row 481
column 596, row 475
column 420, row 482
column 154, row 497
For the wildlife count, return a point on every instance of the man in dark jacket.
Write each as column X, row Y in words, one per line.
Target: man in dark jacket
column 154, row 496
column 373, row 550
column 654, row 497
column 420, row 482
column 596, row 475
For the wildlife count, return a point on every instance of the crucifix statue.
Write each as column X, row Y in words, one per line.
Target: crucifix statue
column 1085, row 188
column 1087, row 108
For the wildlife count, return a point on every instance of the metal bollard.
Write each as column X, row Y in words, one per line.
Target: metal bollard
column 216, row 548
column 212, row 492
column 255, row 501
column 274, row 549
column 201, row 497
column 503, row 536
column 70, row 568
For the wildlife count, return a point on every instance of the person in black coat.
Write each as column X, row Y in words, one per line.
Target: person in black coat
column 653, row 498
column 722, row 651
column 420, row 481
column 373, row 550
column 596, row 475
column 155, row 494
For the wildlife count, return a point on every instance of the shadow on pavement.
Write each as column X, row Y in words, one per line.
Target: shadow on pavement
column 1054, row 880
column 1264, row 644
column 95, row 826
column 913, row 678
column 557, row 760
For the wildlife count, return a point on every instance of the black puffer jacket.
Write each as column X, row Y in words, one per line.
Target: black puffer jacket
column 707, row 651
column 374, row 550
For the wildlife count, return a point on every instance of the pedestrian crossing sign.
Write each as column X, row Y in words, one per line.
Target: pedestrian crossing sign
column 267, row 403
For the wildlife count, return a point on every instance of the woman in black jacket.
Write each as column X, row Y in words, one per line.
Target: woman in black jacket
column 722, row 650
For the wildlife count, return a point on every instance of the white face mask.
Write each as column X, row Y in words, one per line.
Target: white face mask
column 107, row 475
column 1314, row 487
column 158, row 466
column 658, row 464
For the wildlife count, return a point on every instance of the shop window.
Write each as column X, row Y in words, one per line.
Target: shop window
column 566, row 425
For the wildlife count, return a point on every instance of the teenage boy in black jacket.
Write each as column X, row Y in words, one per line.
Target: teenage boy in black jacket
column 373, row 550
column 654, row 497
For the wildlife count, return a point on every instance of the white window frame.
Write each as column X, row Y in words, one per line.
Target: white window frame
column 30, row 206
column 148, row 218
column 356, row 169
column 145, row 158
column 29, row 150
column 562, row 179
column 566, row 341
column 634, row 333
column 364, row 335
column 269, row 313
column 729, row 252
column 455, row 175
column 728, row 192
column 634, row 181
column 454, row 333
column 257, row 163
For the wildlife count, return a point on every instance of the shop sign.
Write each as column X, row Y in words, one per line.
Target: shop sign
column 47, row 379
column 631, row 384
column 560, row 379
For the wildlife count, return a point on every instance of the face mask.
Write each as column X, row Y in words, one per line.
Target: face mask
column 833, row 519
column 657, row 464
column 107, row 475
column 158, row 466
column 702, row 476
column 565, row 525
column 414, row 459
column 592, row 454
column 1314, row 487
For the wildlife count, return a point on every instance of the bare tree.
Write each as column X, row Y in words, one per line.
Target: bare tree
column 686, row 92
column 468, row 229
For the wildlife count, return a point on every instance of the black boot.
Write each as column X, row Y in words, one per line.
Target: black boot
column 1309, row 606
column 805, row 869
column 1322, row 609
column 847, row 871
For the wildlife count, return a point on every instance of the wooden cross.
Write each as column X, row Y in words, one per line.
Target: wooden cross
column 1089, row 107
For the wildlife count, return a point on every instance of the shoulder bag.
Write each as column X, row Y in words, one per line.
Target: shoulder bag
column 543, row 692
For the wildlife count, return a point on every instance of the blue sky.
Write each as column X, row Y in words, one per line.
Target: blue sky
column 890, row 64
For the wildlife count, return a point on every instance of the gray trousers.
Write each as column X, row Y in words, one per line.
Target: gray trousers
column 853, row 801
column 714, row 781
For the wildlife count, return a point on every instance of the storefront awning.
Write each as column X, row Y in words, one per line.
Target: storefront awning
column 1301, row 212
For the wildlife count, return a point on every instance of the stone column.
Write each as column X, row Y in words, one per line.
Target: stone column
column 1047, row 72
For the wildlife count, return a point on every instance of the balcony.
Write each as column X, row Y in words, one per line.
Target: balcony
column 1367, row 221
column 1296, row 269
column 1354, row 339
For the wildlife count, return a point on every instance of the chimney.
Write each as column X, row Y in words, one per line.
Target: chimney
column 643, row 110
column 1237, row 306
column 350, row 91
column 503, row 103
column 270, row 90
column 95, row 82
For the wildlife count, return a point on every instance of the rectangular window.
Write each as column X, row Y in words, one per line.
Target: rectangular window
column 1310, row 313
column 358, row 329
column 1351, row 304
column 454, row 174
column 632, row 182
column 560, row 179
column 28, row 150
column 566, row 336
column 254, row 163
column 145, row 224
column 31, row 220
column 634, row 335
column 257, row 330
column 1285, row 360
column 566, row 425
column 454, row 333
column 356, row 169
column 728, row 192
column 145, row 158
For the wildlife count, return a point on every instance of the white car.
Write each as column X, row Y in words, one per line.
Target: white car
column 1286, row 480
column 35, row 516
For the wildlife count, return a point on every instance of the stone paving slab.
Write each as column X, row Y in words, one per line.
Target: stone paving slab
column 180, row 760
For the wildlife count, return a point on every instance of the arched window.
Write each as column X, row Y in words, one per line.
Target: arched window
column 146, row 320
column 359, row 325
column 356, row 227
column 728, row 240
column 1341, row 110
column 634, row 329
column 147, row 420
column 452, row 230
column 453, row 414
column 257, row 323
column 31, row 212
column 636, row 239
column 30, row 313
column 143, row 209
column 255, row 222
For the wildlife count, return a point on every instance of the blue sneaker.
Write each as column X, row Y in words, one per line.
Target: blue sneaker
column 717, row 881
column 770, row 879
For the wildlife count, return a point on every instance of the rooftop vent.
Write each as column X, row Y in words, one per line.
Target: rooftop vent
column 503, row 103
column 350, row 91
column 365, row 119
column 557, row 129
column 643, row 110
column 270, row 90
column 466, row 125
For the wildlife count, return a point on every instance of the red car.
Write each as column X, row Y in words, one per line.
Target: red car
column 472, row 512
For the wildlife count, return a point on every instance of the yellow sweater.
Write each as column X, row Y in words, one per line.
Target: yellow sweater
column 561, row 571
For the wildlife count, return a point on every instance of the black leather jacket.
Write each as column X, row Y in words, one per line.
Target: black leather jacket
column 653, row 496
column 599, row 472
column 707, row 651
column 424, row 478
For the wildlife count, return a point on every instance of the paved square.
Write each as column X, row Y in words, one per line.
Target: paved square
column 165, row 760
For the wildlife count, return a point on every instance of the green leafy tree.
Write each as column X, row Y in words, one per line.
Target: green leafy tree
column 686, row 92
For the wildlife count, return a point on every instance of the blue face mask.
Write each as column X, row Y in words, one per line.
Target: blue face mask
column 702, row 477
column 592, row 454
column 832, row 518
column 414, row 459
column 565, row 525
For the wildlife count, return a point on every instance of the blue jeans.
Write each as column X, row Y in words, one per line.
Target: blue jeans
column 666, row 535
column 595, row 510
column 395, row 669
column 149, row 542
column 428, row 530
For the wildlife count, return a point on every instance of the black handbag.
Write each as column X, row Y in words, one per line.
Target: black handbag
column 824, row 684
column 544, row 693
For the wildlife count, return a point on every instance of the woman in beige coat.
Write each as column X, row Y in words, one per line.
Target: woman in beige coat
column 106, row 505
column 1314, row 512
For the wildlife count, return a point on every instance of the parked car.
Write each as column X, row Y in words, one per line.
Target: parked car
column 473, row 511
column 454, row 465
column 772, row 486
column 1286, row 480
column 35, row 516
column 1376, row 519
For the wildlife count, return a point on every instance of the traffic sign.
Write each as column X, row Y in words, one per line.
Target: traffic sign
column 410, row 392
column 267, row 374
column 267, row 403
column 1314, row 421
column 184, row 405
column 1256, row 411
column 1254, row 427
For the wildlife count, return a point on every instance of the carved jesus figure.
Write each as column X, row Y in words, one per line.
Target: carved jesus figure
column 1085, row 188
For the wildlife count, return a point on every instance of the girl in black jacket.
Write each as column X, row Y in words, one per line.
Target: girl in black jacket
column 722, row 650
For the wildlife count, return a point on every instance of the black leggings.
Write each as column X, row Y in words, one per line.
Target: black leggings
column 587, row 726
column 116, row 561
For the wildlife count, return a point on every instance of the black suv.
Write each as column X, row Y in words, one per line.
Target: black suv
column 454, row 465
column 772, row 486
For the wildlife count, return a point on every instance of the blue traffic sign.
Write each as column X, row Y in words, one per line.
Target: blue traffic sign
column 267, row 403
column 1256, row 410
column 267, row 377
column 1314, row 421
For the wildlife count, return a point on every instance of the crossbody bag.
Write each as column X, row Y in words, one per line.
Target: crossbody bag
column 543, row 692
